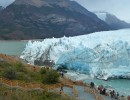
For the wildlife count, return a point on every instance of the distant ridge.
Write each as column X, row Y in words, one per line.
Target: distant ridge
column 112, row 20
column 1, row 8
column 39, row 19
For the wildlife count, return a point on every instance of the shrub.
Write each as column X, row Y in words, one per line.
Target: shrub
column 50, row 96
column 4, row 64
column 19, row 67
column 10, row 74
column 43, row 71
column 51, row 77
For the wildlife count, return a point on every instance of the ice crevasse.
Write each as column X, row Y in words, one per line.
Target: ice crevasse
column 101, row 54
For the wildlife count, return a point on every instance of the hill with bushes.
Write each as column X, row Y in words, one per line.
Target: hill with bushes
column 12, row 69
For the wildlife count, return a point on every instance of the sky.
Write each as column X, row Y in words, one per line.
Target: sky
column 120, row 8
column 5, row 2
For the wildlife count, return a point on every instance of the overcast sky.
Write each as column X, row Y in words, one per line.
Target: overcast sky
column 120, row 8
column 5, row 2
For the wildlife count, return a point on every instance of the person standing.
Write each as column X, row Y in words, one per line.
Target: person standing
column 104, row 91
column 62, row 74
column 61, row 89
column 128, row 97
column 117, row 95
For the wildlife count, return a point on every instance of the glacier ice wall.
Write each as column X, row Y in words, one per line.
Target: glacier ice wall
column 102, row 54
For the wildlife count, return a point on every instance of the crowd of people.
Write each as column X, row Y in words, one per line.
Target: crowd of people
column 111, row 93
column 102, row 90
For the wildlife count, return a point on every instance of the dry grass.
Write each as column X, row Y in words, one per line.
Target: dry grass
column 17, row 94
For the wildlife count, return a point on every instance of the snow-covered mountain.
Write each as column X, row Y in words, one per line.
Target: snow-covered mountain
column 112, row 20
column 102, row 54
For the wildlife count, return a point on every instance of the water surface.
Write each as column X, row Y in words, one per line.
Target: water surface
column 12, row 47
column 120, row 85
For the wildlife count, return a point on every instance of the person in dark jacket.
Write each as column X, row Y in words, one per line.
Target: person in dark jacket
column 104, row 91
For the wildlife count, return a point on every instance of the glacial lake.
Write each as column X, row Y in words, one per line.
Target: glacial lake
column 16, row 48
column 12, row 47
column 120, row 85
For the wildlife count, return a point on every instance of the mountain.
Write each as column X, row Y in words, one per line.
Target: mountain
column 39, row 19
column 101, row 54
column 112, row 20
column 1, row 8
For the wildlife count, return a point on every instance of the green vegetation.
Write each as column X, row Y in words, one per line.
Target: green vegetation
column 15, row 70
column 43, row 71
column 19, row 71
column 50, row 77
column 10, row 74
column 16, row 94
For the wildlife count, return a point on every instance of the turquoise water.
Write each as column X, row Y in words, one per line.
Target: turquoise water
column 16, row 48
column 12, row 47
column 120, row 85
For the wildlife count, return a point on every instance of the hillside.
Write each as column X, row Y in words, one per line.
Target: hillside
column 1, row 8
column 24, row 78
column 112, row 20
column 36, row 19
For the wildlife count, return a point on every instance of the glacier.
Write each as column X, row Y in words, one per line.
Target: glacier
column 102, row 55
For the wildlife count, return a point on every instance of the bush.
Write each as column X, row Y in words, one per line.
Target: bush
column 10, row 74
column 43, row 71
column 50, row 96
column 51, row 77
column 4, row 64
column 19, row 67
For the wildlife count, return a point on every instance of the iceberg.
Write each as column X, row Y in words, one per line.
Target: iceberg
column 102, row 55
